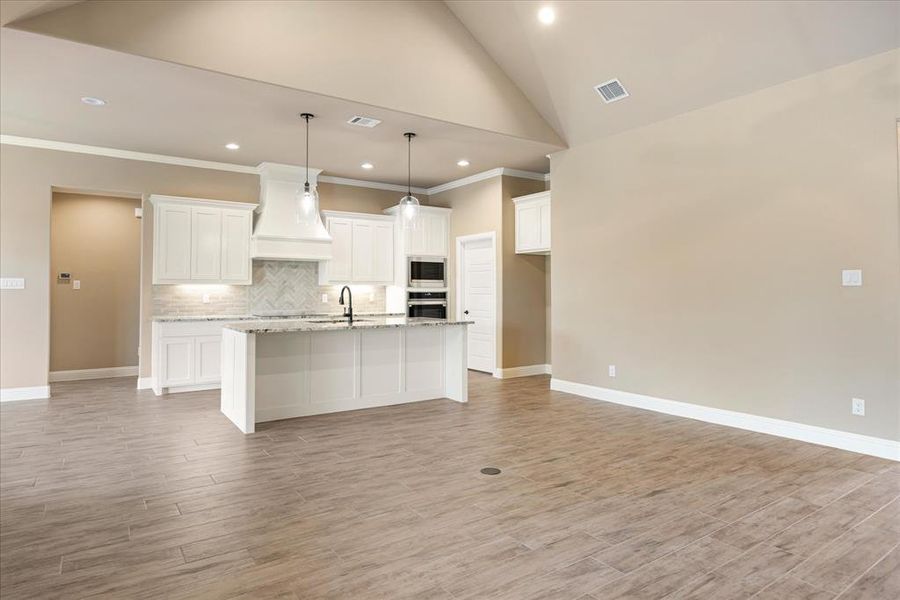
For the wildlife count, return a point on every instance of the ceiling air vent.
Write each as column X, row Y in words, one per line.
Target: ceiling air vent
column 611, row 90
column 363, row 121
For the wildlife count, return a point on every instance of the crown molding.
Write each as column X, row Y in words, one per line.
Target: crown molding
column 498, row 172
column 15, row 140
column 28, row 142
column 376, row 185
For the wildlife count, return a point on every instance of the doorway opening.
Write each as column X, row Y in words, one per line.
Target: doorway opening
column 476, row 297
column 95, row 281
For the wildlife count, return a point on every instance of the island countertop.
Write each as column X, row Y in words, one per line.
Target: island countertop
column 337, row 324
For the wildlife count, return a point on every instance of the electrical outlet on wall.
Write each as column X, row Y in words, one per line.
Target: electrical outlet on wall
column 324, row 298
column 858, row 407
column 76, row 284
column 205, row 298
column 612, row 370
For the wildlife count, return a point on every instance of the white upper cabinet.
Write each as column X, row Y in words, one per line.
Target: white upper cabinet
column 172, row 243
column 206, row 243
column 237, row 225
column 362, row 249
column 201, row 241
column 428, row 235
column 533, row 223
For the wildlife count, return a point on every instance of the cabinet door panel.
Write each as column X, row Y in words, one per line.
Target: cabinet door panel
column 206, row 243
column 437, row 235
column 363, row 252
column 173, row 244
column 177, row 355
column 545, row 225
column 236, row 246
column 340, row 265
column 384, row 253
column 207, row 359
column 528, row 227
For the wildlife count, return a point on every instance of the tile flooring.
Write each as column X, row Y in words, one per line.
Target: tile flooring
column 110, row 492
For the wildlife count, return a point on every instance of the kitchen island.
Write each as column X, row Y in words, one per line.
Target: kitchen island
column 282, row 368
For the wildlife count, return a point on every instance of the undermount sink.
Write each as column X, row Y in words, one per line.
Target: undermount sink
column 340, row 320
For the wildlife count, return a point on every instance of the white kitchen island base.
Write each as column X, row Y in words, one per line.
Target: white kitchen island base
column 271, row 375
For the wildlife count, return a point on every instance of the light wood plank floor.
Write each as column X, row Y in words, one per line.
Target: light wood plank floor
column 115, row 493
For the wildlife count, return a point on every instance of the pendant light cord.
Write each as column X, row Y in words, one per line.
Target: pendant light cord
column 307, row 150
column 409, row 165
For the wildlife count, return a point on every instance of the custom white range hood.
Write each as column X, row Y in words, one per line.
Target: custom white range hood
column 278, row 234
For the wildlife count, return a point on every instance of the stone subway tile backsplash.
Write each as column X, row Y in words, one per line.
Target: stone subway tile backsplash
column 279, row 287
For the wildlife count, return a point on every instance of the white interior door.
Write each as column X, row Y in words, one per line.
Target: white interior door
column 478, row 301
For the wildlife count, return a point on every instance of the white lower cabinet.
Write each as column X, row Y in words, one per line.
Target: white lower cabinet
column 208, row 359
column 187, row 355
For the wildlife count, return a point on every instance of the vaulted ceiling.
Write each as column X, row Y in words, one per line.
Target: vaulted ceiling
column 484, row 81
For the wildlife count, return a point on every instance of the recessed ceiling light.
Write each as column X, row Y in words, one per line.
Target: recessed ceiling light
column 547, row 15
column 367, row 165
column 462, row 163
column 233, row 146
column 91, row 101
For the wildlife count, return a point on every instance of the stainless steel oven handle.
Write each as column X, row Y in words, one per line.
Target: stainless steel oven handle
column 427, row 302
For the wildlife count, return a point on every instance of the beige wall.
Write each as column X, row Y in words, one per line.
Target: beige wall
column 98, row 240
column 29, row 174
column 702, row 255
column 524, row 282
column 486, row 206
column 476, row 209
column 25, row 200
column 358, row 199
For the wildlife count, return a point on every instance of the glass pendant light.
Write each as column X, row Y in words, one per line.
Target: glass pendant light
column 307, row 197
column 409, row 204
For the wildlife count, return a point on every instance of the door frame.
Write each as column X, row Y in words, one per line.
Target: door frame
column 461, row 242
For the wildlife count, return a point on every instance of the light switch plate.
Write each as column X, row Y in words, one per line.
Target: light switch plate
column 324, row 298
column 851, row 277
column 12, row 283
column 612, row 370
column 76, row 284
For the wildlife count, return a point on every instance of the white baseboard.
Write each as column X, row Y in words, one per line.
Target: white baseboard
column 525, row 371
column 39, row 392
column 104, row 373
column 822, row 436
column 200, row 387
column 144, row 383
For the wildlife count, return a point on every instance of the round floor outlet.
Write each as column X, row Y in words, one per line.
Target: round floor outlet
column 491, row 471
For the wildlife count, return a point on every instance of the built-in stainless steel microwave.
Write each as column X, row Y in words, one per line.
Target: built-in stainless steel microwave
column 427, row 272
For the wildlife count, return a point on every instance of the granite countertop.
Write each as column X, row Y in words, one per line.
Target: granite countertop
column 188, row 318
column 359, row 322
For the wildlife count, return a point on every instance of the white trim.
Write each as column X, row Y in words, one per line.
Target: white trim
column 104, row 373
column 144, row 383
column 485, row 175
column 198, row 387
column 375, row 185
column 474, row 237
column 39, row 392
column 28, row 142
column 526, row 371
column 16, row 140
column 833, row 438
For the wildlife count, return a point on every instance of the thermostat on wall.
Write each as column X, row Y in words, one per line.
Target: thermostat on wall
column 64, row 277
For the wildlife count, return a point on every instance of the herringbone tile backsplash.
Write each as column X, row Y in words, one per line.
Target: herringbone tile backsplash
column 279, row 287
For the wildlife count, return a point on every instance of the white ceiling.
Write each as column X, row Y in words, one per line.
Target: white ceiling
column 672, row 56
column 164, row 108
